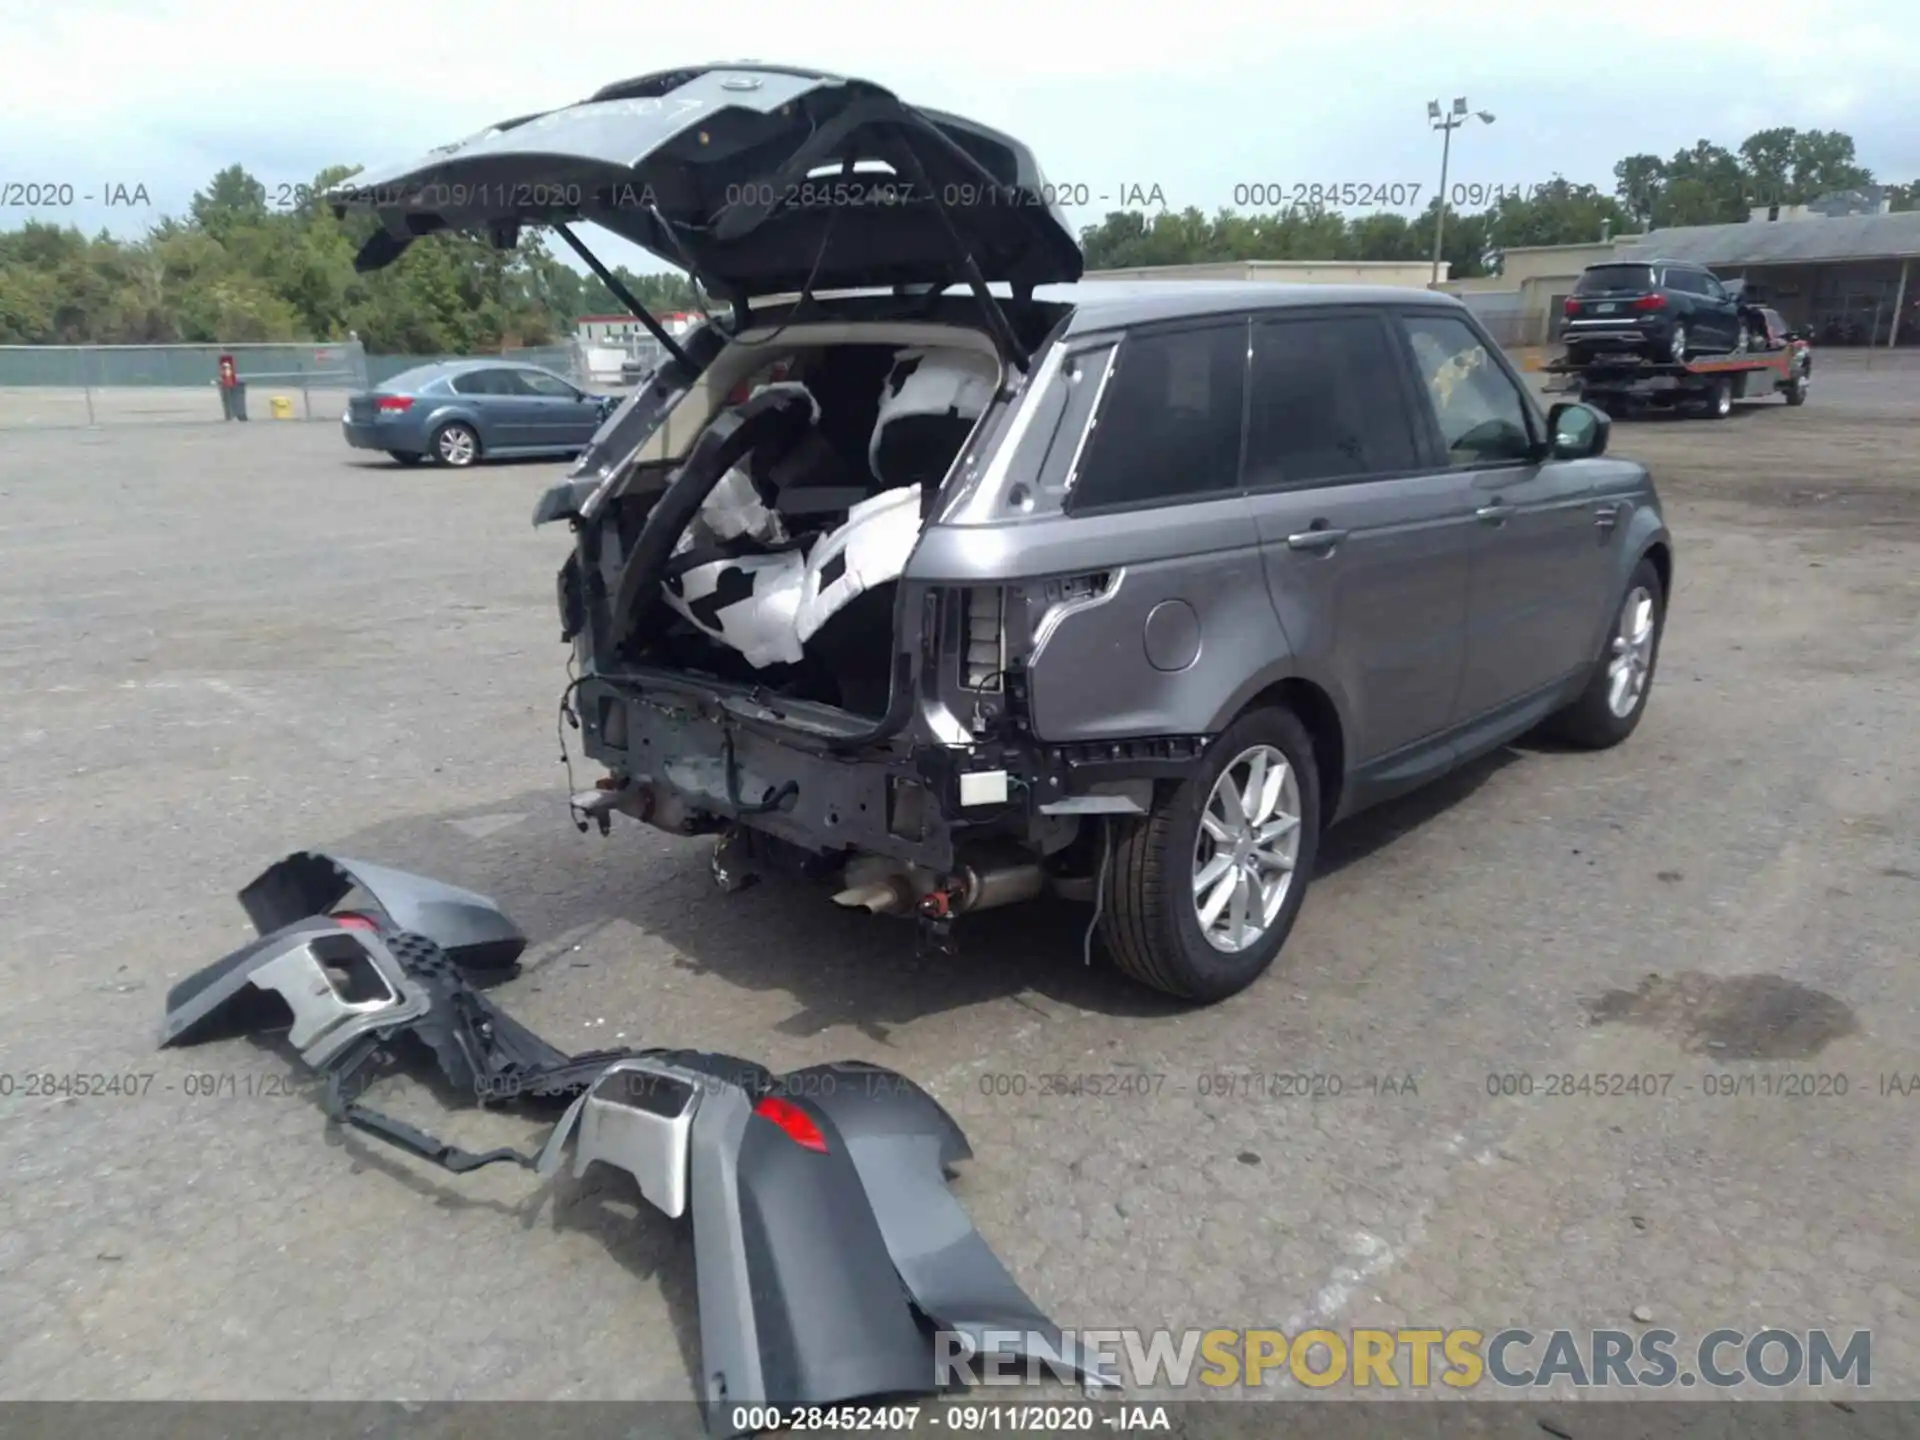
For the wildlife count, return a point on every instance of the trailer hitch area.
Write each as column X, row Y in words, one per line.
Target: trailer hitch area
column 933, row 924
column 611, row 793
column 734, row 864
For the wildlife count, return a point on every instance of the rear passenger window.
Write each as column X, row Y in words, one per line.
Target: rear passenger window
column 1324, row 404
column 483, row 382
column 1168, row 427
column 1482, row 417
column 538, row 382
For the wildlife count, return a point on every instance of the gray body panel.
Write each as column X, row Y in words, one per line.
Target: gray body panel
column 471, row 928
column 1378, row 620
column 288, row 960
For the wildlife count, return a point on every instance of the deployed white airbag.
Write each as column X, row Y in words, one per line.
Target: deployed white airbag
column 926, row 383
column 750, row 603
column 733, row 510
column 870, row 549
column 768, row 606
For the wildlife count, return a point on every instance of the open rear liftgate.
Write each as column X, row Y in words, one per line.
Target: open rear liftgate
column 829, row 1252
column 1621, row 382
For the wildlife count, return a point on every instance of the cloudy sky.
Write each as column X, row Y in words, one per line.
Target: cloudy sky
column 1195, row 97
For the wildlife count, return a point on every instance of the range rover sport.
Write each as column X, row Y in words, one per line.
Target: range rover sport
column 961, row 583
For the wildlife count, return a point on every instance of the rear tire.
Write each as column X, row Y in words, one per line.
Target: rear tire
column 1796, row 390
column 1615, row 698
column 1718, row 404
column 1677, row 346
column 456, row 444
column 1162, row 878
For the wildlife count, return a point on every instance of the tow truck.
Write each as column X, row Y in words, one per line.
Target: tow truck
column 1620, row 383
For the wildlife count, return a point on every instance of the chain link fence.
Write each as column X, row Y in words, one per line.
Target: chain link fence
column 79, row 385
column 61, row 386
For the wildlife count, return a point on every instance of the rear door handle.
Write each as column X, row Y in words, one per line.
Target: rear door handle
column 1319, row 538
column 1495, row 514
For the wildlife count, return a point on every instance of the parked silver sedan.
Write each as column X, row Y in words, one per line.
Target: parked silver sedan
column 458, row 412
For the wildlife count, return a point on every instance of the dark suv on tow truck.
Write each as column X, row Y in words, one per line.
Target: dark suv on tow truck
column 1661, row 310
column 963, row 584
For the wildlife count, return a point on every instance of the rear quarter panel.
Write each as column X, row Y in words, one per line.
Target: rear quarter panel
column 1172, row 642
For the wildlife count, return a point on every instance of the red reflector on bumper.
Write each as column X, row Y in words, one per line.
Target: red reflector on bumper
column 795, row 1121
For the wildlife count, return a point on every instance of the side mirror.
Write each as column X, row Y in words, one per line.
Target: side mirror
column 1579, row 431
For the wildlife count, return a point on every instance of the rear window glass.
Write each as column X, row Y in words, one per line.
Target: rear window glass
column 1615, row 280
column 1169, row 424
column 410, row 381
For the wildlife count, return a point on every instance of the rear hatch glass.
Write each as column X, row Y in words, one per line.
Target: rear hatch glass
column 1615, row 280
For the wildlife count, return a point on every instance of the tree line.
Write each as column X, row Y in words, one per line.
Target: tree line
column 237, row 268
column 1705, row 184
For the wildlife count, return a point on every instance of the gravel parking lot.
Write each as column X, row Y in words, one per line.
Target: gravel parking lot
column 225, row 643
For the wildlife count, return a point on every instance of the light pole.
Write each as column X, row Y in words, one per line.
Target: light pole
column 1447, row 124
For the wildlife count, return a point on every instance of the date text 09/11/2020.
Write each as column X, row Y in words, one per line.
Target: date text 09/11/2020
column 1791, row 1084
column 143, row 1084
column 60, row 194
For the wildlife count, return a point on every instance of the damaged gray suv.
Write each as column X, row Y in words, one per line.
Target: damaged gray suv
column 939, row 575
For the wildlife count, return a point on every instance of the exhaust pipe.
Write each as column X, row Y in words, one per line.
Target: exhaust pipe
column 893, row 896
column 988, row 887
column 975, row 886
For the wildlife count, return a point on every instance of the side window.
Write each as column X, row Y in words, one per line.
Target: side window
column 538, row 382
column 1685, row 280
column 1713, row 287
column 1323, row 403
column 1169, row 425
column 1481, row 414
column 482, row 382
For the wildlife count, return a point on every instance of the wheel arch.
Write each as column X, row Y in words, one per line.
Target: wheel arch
column 461, row 417
column 1320, row 716
column 1660, row 552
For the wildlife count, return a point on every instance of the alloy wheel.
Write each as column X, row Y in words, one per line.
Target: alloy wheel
column 456, row 445
column 1247, row 848
column 1630, row 664
column 1677, row 347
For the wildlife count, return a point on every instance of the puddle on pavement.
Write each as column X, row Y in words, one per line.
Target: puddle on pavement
column 1731, row 1017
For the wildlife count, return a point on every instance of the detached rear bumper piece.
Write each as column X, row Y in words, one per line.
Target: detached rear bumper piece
column 830, row 1252
column 832, row 1261
column 470, row 928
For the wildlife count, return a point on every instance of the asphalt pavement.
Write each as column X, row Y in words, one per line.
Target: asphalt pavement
column 219, row 644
